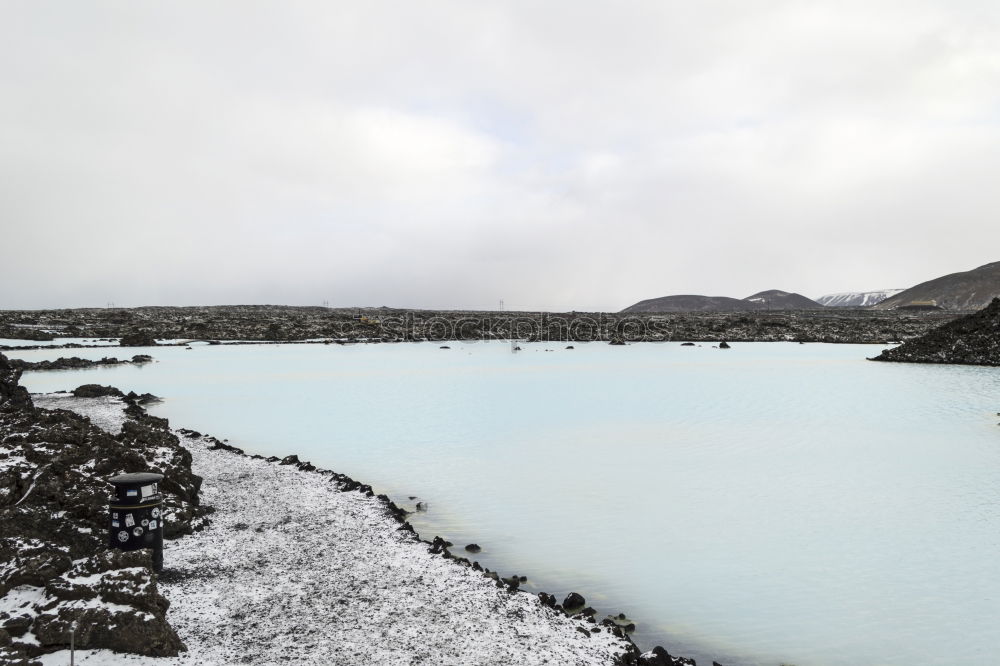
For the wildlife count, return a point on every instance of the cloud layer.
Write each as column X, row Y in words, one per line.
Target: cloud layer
column 558, row 155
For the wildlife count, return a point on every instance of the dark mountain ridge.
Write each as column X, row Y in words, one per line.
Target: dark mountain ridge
column 775, row 299
column 691, row 303
column 772, row 299
column 967, row 290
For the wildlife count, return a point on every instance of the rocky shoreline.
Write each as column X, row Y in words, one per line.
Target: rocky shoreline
column 970, row 340
column 76, row 363
column 60, row 595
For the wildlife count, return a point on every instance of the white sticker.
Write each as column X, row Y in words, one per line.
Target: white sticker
column 123, row 536
column 131, row 492
column 129, row 520
column 155, row 512
column 144, row 522
column 137, row 531
column 115, row 515
column 114, row 523
column 148, row 491
column 152, row 525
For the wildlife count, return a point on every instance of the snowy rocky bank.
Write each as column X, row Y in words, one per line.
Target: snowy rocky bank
column 298, row 565
column 55, row 568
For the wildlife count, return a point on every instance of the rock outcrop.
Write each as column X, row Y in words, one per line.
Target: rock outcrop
column 137, row 339
column 971, row 340
column 75, row 363
column 54, row 560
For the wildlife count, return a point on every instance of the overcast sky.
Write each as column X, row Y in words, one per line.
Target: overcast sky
column 559, row 155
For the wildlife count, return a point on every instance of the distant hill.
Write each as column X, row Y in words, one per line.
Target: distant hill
column 775, row 299
column 970, row 340
column 691, row 303
column 970, row 290
column 856, row 299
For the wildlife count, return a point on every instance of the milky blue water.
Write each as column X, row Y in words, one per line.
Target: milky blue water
column 764, row 504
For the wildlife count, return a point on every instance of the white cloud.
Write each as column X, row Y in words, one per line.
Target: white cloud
column 561, row 155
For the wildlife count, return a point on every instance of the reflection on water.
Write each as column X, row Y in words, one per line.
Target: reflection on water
column 772, row 502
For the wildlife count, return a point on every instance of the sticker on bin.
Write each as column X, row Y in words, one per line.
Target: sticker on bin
column 129, row 520
column 123, row 536
column 137, row 531
column 155, row 512
column 145, row 522
column 114, row 523
column 148, row 491
column 131, row 492
column 152, row 525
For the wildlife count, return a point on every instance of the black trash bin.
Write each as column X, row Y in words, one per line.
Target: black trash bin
column 135, row 515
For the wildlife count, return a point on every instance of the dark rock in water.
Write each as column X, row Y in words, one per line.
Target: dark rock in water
column 439, row 545
column 473, row 548
column 570, row 347
column 547, row 599
column 96, row 391
column 970, row 340
column 137, row 339
column 290, row 460
column 573, row 601
column 222, row 446
column 723, row 345
column 445, row 347
column 687, row 344
column 660, row 657
column 142, row 358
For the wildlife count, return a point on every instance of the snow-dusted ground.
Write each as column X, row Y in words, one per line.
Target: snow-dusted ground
column 107, row 413
column 294, row 571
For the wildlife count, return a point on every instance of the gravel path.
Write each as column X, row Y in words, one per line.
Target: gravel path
column 294, row 571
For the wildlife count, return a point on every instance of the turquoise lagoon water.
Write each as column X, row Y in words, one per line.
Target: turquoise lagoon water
column 773, row 503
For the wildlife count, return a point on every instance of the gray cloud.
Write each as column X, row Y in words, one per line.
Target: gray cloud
column 558, row 155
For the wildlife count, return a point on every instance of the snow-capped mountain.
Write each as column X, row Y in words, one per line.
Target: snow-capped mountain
column 857, row 299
